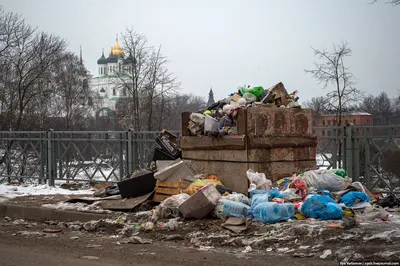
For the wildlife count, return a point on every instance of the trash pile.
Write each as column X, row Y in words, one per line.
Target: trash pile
column 315, row 194
column 220, row 118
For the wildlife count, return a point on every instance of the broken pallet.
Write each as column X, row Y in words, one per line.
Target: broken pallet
column 166, row 189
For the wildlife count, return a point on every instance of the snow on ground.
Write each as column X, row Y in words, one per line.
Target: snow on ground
column 12, row 191
column 82, row 207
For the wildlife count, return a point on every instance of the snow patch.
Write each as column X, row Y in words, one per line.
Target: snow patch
column 12, row 191
column 387, row 235
column 81, row 207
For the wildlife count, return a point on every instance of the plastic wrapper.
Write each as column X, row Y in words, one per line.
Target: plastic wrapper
column 171, row 225
column 258, row 180
column 175, row 200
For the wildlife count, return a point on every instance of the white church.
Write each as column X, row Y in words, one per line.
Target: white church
column 110, row 71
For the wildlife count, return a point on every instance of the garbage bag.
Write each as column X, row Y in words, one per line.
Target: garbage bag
column 272, row 212
column 256, row 91
column 258, row 180
column 326, row 179
column 321, row 207
column 390, row 201
column 352, row 197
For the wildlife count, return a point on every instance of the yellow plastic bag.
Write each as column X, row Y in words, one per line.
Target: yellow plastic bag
column 199, row 183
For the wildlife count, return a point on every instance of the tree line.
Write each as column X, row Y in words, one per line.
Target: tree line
column 43, row 85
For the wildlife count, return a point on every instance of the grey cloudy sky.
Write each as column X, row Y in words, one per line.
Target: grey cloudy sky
column 227, row 43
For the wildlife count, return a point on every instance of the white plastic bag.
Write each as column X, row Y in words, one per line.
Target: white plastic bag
column 258, row 180
column 325, row 179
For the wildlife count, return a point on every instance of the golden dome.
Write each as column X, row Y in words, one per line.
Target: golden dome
column 117, row 50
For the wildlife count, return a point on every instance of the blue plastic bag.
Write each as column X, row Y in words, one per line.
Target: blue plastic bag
column 352, row 197
column 274, row 193
column 322, row 207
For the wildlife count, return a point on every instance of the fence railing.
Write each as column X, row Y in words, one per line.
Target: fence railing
column 366, row 152
column 370, row 154
column 74, row 155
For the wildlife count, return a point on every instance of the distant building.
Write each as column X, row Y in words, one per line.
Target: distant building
column 355, row 118
column 210, row 98
column 110, row 72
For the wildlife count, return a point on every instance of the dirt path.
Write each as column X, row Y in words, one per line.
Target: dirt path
column 27, row 245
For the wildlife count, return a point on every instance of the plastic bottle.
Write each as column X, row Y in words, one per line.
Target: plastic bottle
column 235, row 209
column 272, row 212
column 259, row 198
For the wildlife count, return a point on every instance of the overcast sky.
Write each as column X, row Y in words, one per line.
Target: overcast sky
column 223, row 43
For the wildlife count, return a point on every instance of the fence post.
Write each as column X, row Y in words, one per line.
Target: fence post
column 121, row 156
column 349, row 151
column 50, row 170
column 129, row 152
column 356, row 154
column 367, row 159
column 141, row 149
column 42, row 157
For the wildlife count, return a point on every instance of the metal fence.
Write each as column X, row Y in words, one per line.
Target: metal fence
column 366, row 152
column 74, row 155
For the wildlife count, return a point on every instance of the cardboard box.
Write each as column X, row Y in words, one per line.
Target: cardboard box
column 200, row 204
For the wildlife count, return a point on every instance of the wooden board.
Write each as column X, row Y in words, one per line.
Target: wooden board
column 124, row 204
column 166, row 189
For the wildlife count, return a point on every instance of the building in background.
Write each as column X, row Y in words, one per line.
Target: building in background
column 110, row 71
column 210, row 98
column 326, row 120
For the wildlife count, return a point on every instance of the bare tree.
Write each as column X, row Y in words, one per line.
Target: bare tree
column 137, row 49
column 71, row 98
column 146, row 79
column 330, row 71
column 393, row 2
column 318, row 104
column 381, row 107
column 12, row 30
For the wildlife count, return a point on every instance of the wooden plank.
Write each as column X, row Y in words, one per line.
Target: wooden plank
column 159, row 198
column 185, row 118
column 168, row 191
column 168, row 184
column 236, row 142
